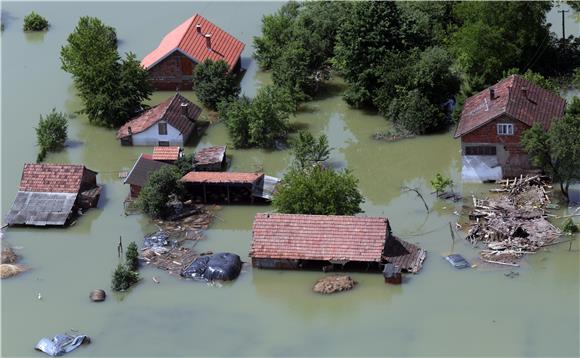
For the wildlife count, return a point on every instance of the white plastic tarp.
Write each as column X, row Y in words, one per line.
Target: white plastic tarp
column 479, row 168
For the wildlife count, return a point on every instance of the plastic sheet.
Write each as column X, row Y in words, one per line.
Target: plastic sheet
column 61, row 344
column 221, row 266
column 156, row 239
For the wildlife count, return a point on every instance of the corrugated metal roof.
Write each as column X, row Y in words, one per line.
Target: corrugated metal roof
column 266, row 187
column 186, row 39
column 221, row 178
column 52, row 178
column 408, row 257
column 210, row 155
column 319, row 237
column 141, row 170
column 166, row 153
column 41, row 209
column 168, row 110
column 515, row 97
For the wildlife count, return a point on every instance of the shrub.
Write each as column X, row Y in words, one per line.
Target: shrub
column 213, row 83
column 51, row 133
column 570, row 227
column 155, row 193
column 35, row 22
column 439, row 183
column 185, row 163
column 123, row 278
column 132, row 257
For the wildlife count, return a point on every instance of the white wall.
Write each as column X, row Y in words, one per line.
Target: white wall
column 151, row 136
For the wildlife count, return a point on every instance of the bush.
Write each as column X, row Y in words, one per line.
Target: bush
column 155, row 193
column 318, row 191
column 132, row 257
column 185, row 163
column 570, row 227
column 439, row 183
column 35, row 22
column 213, row 83
column 309, row 151
column 51, row 132
column 415, row 113
column 123, row 278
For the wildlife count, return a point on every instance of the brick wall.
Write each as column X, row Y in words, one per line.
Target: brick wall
column 173, row 72
column 488, row 133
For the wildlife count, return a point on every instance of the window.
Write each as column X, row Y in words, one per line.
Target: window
column 480, row 150
column 162, row 128
column 163, row 143
column 505, row 129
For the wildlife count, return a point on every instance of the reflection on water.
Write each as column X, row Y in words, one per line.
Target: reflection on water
column 439, row 312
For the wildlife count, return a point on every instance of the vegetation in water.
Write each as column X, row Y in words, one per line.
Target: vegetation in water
column 51, row 133
column 155, row 193
column 557, row 151
column 123, row 278
column 132, row 257
column 309, row 151
column 318, row 191
column 35, row 22
column 570, row 227
column 185, row 163
column 213, row 83
column 440, row 183
column 112, row 89
column 259, row 122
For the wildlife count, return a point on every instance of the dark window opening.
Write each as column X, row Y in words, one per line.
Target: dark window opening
column 162, row 128
column 163, row 143
column 480, row 150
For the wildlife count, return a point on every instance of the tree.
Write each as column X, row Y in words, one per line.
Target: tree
column 291, row 70
column 155, row 193
column 432, row 75
column 213, row 82
column 132, row 257
column 111, row 89
column 413, row 112
column 308, row 151
column 123, row 278
column 185, row 163
column 319, row 191
column 51, row 133
column 261, row 121
column 557, row 152
column 440, row 183
column 35, row 22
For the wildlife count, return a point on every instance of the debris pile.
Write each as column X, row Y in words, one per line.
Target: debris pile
column 8, row 266
column 61, row 344
column 189, row 223
column 514, row 223
column 332, row 284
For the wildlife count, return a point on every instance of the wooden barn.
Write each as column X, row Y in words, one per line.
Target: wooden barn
column 211, row 159
column 52, row 194
column 171, row 64
column 493, row 121
column 140, row 172
column 170, row 123
column 337, row 243
column 222, row 187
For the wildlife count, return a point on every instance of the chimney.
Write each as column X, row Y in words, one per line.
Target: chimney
column 491, row 93
column 198, row 28
column 208, row 40
column 184, row 108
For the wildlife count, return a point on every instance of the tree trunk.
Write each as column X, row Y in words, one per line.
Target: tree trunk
column 564, row 189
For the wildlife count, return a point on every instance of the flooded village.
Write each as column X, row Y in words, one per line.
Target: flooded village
column 352, row 233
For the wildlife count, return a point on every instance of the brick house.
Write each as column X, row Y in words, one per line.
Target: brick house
column 145, row 165
column 492, row 122
column 52, row 194
column 170, row 123
column 171, row 64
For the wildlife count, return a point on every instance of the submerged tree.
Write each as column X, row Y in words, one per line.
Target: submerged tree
column 123, row 278
column 132, row 257
column 51, row 133
column 213, row 83
column 440, row 183
column 309, row 151
column 35, row 22
column 155, row 193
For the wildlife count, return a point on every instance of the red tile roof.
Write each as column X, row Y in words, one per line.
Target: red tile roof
column 186, row 39
column 210, row 155
column 319, row 237
column 166, row 153
column 52, row 178
column 168, row 110
column 515, row 97
column 222, row 177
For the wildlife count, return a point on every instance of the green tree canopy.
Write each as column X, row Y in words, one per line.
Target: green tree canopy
column 213, row 82
column 35, row 22
column 155, row 193
column 413, row 112
column 51, row 133
column 123, row 278
column 535, row 78
column 309, row 151
column 318, row 190
column 132, row 257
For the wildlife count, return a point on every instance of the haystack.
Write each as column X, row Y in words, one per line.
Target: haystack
column 9, row 270
column 332, row 284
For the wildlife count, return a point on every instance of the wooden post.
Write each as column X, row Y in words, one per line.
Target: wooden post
column 204, row 195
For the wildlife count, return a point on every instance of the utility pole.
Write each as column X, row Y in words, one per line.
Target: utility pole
column 563, row 22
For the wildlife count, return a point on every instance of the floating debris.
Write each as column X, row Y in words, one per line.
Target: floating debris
column 98, row 295
column 333, row 284
column 10, row 270
column 221, row 266
column 61, row 344
column 8, row 256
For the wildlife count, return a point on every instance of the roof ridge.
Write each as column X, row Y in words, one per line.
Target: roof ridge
column 186, row 31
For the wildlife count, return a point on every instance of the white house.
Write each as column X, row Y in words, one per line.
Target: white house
column 170, row 123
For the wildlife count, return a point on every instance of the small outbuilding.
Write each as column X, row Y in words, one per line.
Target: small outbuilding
column 167, row 154
column 140, row 172
column 52, row 194
column 210, row 159
column 219, row 187
column 170, row 123
column 328, row 242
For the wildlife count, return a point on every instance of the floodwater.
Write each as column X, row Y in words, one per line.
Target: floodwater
column 439, row 312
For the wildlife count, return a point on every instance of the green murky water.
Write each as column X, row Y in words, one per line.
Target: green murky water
column 440, row 312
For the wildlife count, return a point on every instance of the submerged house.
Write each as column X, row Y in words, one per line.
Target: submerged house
column 211, row 159
column 492, row 122
column 52, row 194
column 140, row 172
column 171, row 64
column 170, row 123
column 291, row 241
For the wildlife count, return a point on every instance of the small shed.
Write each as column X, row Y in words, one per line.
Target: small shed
column 52, row 194
column 211, row 159
column 228, row 187
column 167, row 154
column 140, row 172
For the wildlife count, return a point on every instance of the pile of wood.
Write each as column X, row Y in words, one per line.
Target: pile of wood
column 513, row 222
column 172, row 260
column 332, row 284
column 190, row 227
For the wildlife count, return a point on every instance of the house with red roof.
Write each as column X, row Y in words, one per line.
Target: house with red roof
column 492, row 123
column 341, row 243
column 52, row 194
column 170, row 123
column 171, row 64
